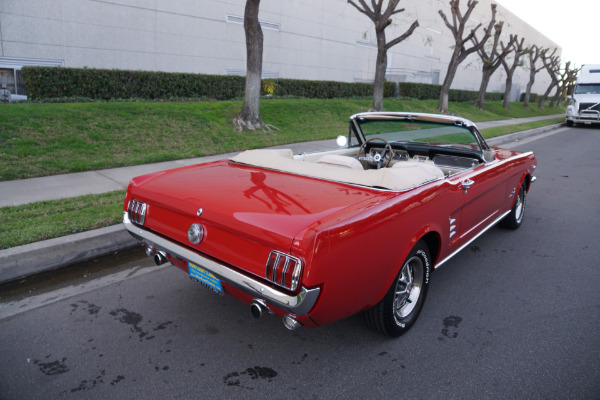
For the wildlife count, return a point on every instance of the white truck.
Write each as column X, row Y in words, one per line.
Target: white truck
column 586, row 97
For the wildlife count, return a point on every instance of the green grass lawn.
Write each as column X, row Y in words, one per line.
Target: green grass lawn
column 49, row 219
column 49, row 139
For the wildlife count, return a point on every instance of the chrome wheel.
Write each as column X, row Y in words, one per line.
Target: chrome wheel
column 514, row 219
column 403, row 301
column 520, row 206
column 408, row 288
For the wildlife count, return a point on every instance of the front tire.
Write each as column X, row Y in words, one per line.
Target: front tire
column 402, row 304
column 515, row 218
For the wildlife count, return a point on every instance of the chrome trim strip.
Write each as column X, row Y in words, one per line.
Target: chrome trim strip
column 473, row 239
column 299, row 304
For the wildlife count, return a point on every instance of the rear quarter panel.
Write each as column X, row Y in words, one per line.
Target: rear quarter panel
column 360, row 253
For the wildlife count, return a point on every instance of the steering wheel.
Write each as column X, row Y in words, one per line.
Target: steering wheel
column 379, row 158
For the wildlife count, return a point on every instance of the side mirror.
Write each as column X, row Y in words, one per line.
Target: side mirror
column 488, row 156
column 342, row 141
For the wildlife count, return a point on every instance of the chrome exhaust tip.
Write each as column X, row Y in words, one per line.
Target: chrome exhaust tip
column 149, row 251
column 258, row 308
column 160, row 258
column 290, row 323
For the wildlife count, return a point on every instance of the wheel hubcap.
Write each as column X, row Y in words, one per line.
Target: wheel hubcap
column 408, row 288
column 519, row 206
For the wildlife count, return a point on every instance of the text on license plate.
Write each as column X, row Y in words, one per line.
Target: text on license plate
column 203, row 276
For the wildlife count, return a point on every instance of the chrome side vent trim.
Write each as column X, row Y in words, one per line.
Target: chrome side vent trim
column 284, row 270
column 136, row 211
column 452, row 227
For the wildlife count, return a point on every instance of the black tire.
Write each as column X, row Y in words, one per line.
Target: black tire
column 402, row 304
column 570, row 123
column 515, row 218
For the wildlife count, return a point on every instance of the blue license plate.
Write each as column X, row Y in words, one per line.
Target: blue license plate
column 205, row 277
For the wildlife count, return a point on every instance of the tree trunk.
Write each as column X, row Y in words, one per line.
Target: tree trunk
column 545, row 96
column 249, row 116
column 452, row 68
column 380, row 68
column 485, row 80
column 556, row 96
column 528, row 89
column 508, row 89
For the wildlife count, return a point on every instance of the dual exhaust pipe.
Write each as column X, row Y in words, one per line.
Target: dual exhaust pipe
column 259, row 307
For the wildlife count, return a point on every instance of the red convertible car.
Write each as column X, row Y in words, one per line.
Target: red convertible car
column 314, row 238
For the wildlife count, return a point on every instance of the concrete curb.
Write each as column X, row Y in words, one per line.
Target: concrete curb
column 30, row 259
column 515, row 137
column 22, row 261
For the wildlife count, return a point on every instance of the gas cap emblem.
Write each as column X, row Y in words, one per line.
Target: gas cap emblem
column 195, row 233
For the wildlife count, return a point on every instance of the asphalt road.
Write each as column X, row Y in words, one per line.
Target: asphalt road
column 516, row 315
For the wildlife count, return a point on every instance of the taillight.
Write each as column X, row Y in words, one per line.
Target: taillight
column 137, row 211
column 284, row 270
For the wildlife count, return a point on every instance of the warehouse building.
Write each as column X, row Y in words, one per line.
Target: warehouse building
column 303, row 39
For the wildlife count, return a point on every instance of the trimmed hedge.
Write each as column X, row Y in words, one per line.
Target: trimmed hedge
column 103, row 84
column 322, row 89
column 423, row 91
column 52, row 83
column 533, row 97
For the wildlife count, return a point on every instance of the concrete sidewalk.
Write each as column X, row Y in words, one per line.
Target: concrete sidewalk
column 26, row 260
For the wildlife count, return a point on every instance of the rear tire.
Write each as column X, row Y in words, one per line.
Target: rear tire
column 402, row 304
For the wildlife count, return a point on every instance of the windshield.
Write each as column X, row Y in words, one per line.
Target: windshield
column 593, row 88
column 414, row 131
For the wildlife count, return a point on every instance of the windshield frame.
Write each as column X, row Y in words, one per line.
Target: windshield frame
column 355, row 126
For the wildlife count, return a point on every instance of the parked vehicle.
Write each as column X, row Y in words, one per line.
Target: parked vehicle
column 586, row 97
column 315, row 238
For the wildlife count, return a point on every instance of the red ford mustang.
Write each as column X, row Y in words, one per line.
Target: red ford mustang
column 314, row 238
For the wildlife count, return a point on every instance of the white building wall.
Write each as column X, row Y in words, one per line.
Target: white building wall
column 303, row 39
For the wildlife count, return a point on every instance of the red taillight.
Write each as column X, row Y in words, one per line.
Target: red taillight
column 137, row 211
column 284, row 270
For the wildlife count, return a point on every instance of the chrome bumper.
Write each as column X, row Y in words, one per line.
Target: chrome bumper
column 590, row 116
column 299, row 304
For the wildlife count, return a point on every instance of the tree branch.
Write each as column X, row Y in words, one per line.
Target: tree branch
column 366, row 10
column 403, row 36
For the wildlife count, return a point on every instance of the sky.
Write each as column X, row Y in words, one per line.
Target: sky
column 571, row 24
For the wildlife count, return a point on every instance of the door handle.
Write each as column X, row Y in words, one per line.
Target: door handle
column 467, row 184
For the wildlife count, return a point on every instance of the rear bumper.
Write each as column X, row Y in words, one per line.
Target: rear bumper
column 300, row 304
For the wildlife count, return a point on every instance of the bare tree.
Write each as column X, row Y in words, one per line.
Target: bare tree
column 460, row 52
column 382, row 19
column 570, row 82
column 249, row 117
column 492, row 59
column 552, row 66
column 534, row 52
column 518, row 50
column 566, row 77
